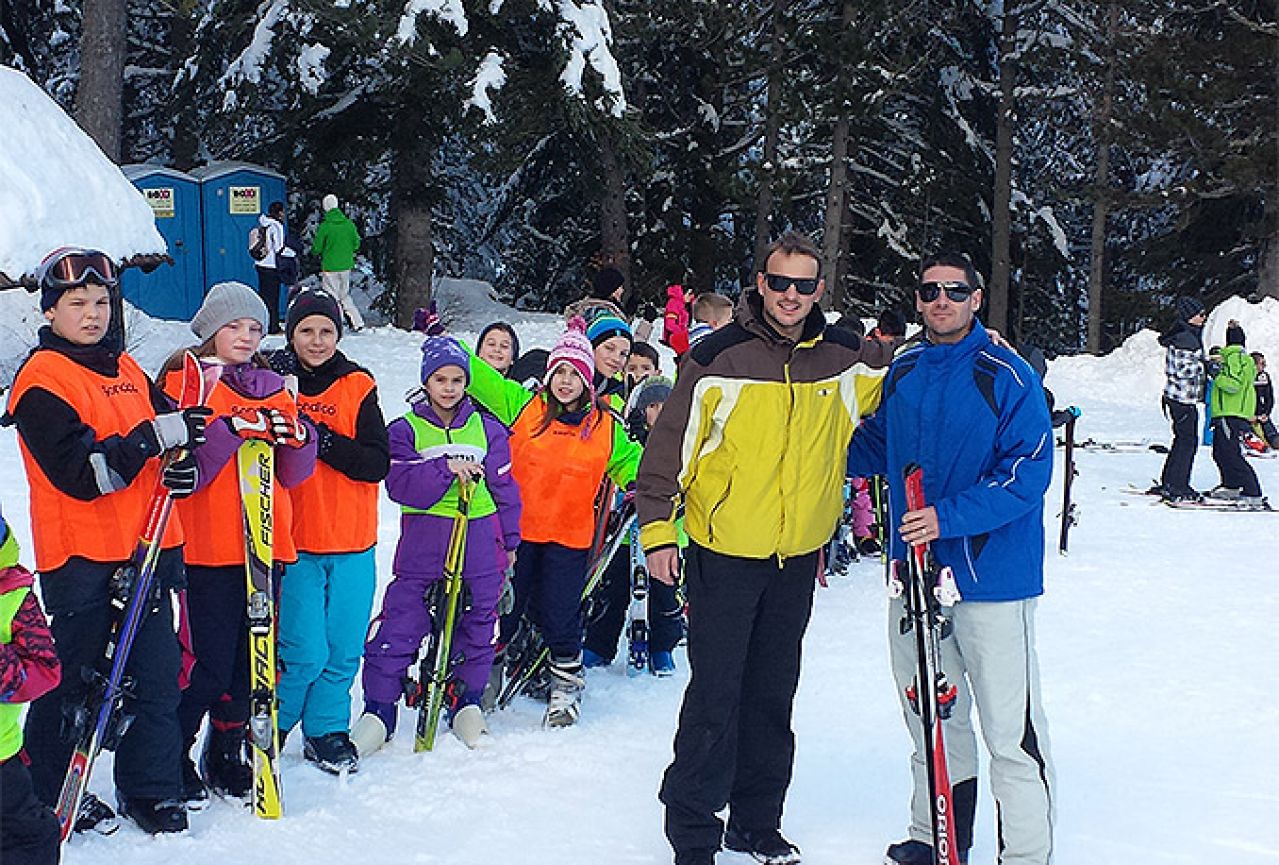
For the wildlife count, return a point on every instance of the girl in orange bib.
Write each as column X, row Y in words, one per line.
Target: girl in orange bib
column 248, row 398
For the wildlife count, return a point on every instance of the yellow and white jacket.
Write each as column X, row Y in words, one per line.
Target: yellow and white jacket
column 754, row 438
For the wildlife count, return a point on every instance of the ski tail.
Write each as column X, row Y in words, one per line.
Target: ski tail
column 129, row 606
column 437, row 664
column 933, row 695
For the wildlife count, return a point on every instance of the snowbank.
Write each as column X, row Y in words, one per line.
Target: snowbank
column 1132, row 375
column 59, row 189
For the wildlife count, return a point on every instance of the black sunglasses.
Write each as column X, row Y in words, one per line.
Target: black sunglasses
column 778, row 283
column 958, row 292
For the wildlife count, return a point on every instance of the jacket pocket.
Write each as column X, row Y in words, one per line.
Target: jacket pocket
column 715, row 508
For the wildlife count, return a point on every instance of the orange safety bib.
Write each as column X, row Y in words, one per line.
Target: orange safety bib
column 212, row 517
column 559, row 472
column 107, row 528
column 331, row 512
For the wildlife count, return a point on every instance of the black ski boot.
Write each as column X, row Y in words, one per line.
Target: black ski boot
column 95, row 816
column 225, row 763
column 194, row 793
column 766, row 845
column 332, row 752
column 156, row 816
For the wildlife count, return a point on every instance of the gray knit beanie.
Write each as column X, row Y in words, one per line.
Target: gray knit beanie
column 226, row 302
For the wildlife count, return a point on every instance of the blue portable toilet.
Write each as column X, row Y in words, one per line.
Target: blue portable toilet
column 175, row 291
column 232, row 197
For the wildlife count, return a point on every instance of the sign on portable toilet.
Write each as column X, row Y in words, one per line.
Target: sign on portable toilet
column 232, row 197
column 175, row 291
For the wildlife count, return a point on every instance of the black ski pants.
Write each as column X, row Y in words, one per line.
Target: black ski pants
column 614, row 598
column 1185, row 441
column 28, row 828
column 734, row 745
column 1227, row 453
column 77, row 598
column 548, row 584
column 218, row 637
column 269, row 291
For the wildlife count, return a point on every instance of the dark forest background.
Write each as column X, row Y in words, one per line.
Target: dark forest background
column 1095, row 159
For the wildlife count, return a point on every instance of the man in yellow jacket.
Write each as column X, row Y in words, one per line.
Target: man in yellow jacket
column 752, row 443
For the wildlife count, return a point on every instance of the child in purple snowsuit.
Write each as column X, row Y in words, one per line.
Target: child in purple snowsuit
column 443, row 440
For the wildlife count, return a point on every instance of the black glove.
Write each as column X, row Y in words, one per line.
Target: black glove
column 183, row 428
column 324, row 437
column 181, row 476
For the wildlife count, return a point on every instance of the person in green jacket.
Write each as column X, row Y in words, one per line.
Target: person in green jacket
column 1234, row 402
column 336, row 242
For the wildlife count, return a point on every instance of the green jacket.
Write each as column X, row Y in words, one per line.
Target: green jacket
column 336, row 242
column 1233, row 394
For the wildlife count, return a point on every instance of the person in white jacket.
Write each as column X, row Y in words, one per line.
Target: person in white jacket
column 267, row 266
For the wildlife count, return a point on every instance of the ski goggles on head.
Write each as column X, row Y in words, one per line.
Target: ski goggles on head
column 780, row 284
column 958, row 292
column 72, row 268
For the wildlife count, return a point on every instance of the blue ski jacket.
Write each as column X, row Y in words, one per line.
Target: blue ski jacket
column 973, row 415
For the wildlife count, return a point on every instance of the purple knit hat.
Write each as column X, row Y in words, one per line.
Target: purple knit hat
column 438, row 351
column 574, row 349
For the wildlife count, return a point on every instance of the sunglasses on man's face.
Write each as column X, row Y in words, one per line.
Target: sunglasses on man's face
column 778, row 283
column 958, row 292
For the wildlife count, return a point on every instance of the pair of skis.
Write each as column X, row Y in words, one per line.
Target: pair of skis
column 926, row 589
column 134, row 596
column 444, row 600
column 1069, row 511
column 528, row 654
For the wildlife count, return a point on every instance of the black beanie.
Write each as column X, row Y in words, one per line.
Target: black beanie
column 508, row 330
column 607, row 281
column 311, row 301
column 1188, row 307
column 1234, row 334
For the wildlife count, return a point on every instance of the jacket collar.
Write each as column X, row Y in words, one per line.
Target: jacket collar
column 750, row 315
column 101, row 357
column 975, row 341
column 424, row 410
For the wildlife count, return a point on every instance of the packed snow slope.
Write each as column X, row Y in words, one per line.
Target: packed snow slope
column 59, row 188
column 1155, row 638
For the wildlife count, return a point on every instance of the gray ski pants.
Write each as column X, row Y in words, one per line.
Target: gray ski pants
column 990, row 657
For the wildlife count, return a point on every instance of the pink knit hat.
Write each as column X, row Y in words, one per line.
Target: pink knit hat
column 575, row 350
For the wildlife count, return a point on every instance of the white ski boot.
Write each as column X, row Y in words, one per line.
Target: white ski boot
column 468, row 725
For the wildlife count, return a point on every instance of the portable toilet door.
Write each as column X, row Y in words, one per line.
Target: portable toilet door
column 170, row 291
column 232, row 197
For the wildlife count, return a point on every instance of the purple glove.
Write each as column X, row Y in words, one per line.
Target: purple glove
column 427, row 320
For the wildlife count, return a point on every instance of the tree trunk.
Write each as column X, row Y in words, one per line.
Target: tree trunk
column 833, row 239
column 1001, row 205
column 411, row 203
column 99, row 102
column 615, row 239
column 772, row 137
column 1101, row 183
column 1268, row 273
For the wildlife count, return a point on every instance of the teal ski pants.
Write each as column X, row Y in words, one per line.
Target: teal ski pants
column 325, row 603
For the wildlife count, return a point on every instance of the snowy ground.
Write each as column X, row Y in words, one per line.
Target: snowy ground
column 1155, row 638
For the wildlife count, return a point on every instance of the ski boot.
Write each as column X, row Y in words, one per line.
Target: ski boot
column 332, row 752
column 375, row 727
column 661, row 664
column 564, row 703
column 914, row 852
column 96, row 816
column 225, row 763
column 767, row 846
column 195, row 795
column 468, row 725
column 155, row 816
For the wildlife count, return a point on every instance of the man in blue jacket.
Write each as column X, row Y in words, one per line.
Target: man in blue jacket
column 973, row 415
